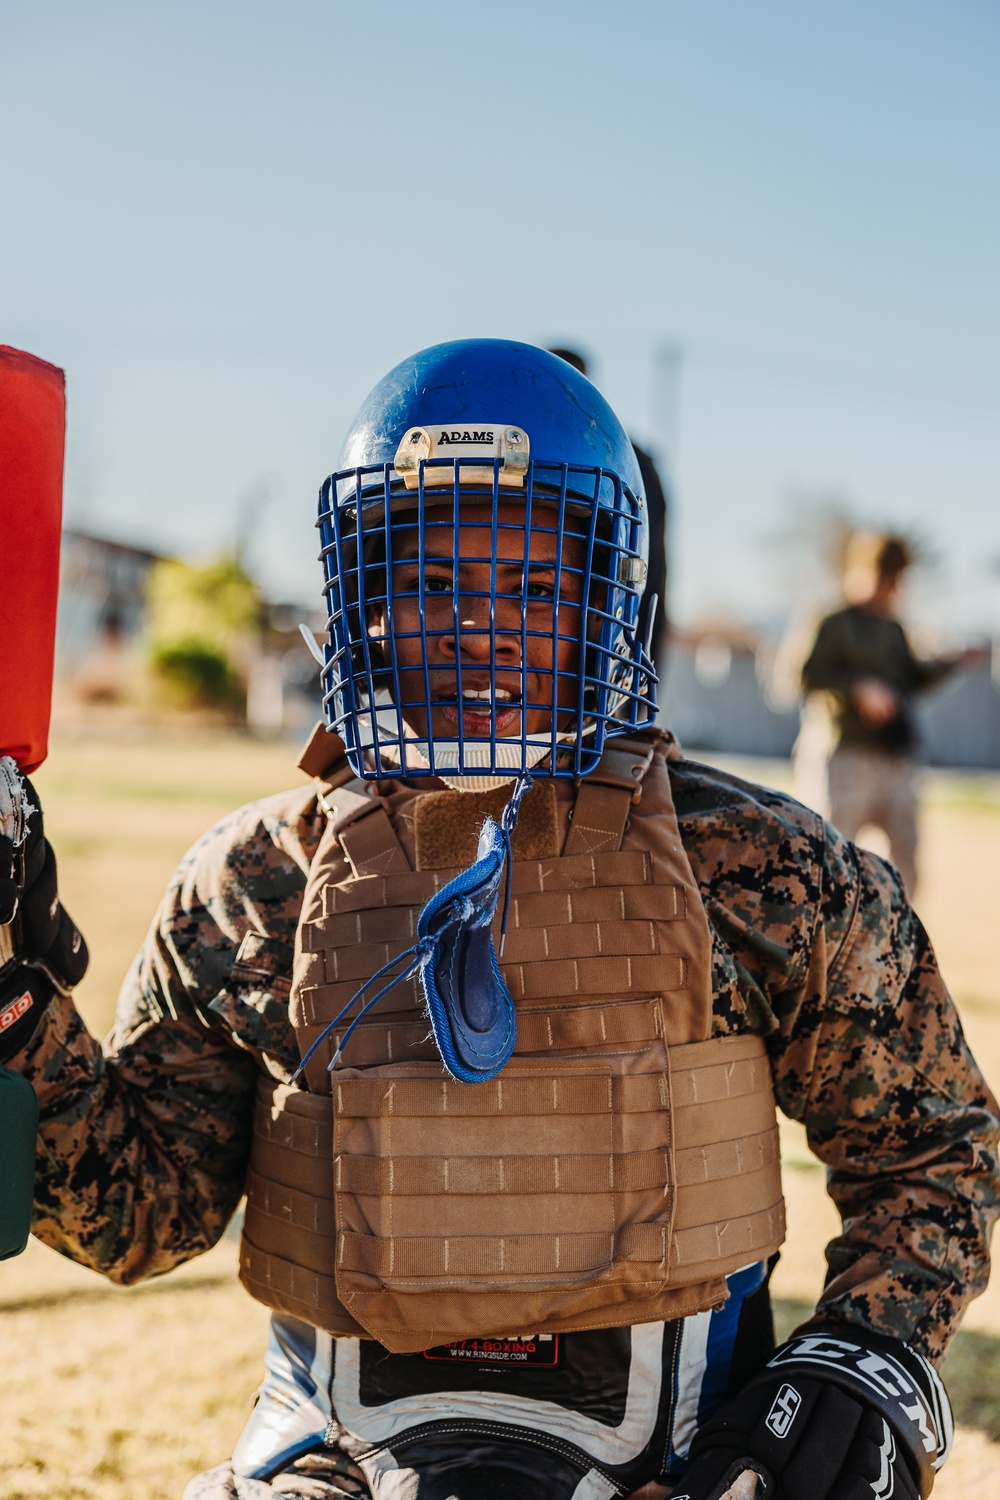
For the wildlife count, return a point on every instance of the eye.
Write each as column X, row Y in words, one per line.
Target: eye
column 409, row 580
column 538, row 589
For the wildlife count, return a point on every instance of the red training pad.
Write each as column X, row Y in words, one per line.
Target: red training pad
column 32, row 444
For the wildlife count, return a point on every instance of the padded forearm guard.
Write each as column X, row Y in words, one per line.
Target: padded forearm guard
column 18, row 1124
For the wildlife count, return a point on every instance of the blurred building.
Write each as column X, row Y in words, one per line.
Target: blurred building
column 102, row 612
column 717, row 696
column 102, row 596
column 102, row 617
column 960, row 722
column 283, row 689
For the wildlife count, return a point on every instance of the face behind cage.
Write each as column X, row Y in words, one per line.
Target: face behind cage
column 481, row 630
column 479, row 627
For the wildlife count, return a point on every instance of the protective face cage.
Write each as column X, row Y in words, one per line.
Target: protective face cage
column 482, row 613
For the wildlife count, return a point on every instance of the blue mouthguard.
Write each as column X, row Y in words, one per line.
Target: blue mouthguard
column 468, row 1003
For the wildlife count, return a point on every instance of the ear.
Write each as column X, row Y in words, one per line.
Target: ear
column 376, row 629
column 375, row 622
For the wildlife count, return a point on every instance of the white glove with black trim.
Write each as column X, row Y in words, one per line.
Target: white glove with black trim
column 829, row 1418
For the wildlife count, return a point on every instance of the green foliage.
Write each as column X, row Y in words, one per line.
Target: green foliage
column 203, row 621
column 196, row 675
column 214, row 602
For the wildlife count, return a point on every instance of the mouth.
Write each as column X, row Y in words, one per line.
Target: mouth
column 482, row 710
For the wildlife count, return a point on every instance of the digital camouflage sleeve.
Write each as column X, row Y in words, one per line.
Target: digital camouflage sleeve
column 817, row 948
column 144, row 1145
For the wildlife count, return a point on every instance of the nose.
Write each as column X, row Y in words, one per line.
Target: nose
column 474, row 642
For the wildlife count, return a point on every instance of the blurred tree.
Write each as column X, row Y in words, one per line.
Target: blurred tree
column 205, row 621
column 808, row 548
column 809, row 544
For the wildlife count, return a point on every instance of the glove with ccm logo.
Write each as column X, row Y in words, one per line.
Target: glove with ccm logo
column 829, row 1418
column 42, row 952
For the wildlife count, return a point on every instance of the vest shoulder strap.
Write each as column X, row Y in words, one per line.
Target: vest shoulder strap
column 600, row 813
column 372, row 846
column 325, row 756
column 624, row 764
column 605, row 797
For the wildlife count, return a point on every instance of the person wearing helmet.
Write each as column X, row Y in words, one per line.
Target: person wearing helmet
column 490, row 1024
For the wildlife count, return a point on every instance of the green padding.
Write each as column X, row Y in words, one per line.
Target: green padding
column 18, row 1126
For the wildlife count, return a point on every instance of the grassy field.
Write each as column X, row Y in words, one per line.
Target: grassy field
column 121, row 1395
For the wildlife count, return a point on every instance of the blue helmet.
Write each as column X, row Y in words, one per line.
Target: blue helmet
column 484, row 544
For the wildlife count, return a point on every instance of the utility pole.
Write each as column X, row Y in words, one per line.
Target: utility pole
column 665, row 401
column 249, row 508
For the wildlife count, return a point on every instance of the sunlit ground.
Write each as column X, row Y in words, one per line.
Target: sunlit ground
column 122, row 1395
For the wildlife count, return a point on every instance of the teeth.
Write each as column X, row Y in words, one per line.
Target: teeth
column 502, row 695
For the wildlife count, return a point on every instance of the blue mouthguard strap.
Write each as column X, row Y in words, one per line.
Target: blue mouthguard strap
column 415, row 954
column 508, row 822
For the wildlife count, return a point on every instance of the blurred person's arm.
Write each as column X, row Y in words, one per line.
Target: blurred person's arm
column 875, row 702
column 927, row 673
column 143, row 1144
column 872, row 1059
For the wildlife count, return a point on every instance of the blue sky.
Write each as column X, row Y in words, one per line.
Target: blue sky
column 227, row 221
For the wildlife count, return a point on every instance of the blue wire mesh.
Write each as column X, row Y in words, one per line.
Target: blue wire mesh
column 541, row 611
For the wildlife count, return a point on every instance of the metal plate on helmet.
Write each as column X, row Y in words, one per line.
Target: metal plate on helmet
column 486, row 441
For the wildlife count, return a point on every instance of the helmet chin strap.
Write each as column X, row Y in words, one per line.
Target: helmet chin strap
column 414, row 752
column 477, row 783
column 474, row 782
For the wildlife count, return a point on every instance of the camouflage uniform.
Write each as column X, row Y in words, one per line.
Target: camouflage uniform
column 144, row 1146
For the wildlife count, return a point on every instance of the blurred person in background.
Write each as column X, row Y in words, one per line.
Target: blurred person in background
column 864, row 667
column 656, row 500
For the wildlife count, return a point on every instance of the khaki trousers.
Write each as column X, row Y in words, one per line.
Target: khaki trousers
column 872, row 786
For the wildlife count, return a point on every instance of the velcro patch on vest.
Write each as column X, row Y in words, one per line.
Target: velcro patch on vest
column 539, row 1349
column 446, row 825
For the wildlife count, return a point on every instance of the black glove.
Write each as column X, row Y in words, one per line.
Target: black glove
column 829, row 1418
column 42, row 952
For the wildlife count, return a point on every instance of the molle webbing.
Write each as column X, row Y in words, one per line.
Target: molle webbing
column 603, row 921
column 615, row 1171
column 723, row 1176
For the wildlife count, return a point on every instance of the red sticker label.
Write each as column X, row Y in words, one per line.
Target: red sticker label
column 520, row 1349
column 15, row 1010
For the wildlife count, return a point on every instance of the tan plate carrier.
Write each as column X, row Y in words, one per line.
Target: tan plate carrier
column 620, row 1166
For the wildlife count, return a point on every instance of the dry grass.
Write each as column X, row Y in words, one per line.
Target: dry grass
column 122, row 1395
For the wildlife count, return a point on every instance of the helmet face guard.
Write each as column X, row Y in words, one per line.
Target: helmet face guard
column 555, row 572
